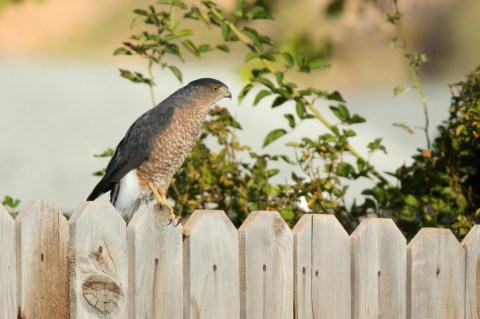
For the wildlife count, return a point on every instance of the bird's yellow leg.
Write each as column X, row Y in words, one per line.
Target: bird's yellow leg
column 171, row 216
column 163, row 201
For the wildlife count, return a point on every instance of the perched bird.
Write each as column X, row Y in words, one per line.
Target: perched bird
column 155, row 147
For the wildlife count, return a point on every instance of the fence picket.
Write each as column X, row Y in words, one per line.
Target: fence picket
column 95, row 267
column 42, row 264
column 155, row 265
column 211, row 276
column 321, row 259
column 379, row 270
column 436, row 276
column 98, row 250
column 266, row 267
column 471, row 244
column 8, row 269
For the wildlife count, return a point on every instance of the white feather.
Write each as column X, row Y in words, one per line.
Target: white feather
column 129, row 192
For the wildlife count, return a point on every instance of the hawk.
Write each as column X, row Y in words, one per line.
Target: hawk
column 155, row 147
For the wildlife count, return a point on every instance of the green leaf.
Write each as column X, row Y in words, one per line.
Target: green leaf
column 376, row 145
column 341, row 112
column 301, row 110
column 336, row 96
column 251, row 55
column 259, row 12
column 141, row 12
column 318, row 63
column 184, row 33
column 223, row 48
column 260, row 95
column 355, row 119
column 288, row 59
column 273, row 135
column 245, row 91
column 345, row 170
column 398, row 89
column 106, row 153
column 411, row 201
column 9, row 201
column 176, row 71
column 300, row 57
column 266, row 82
column 279, row 101
column 122, row 51
column 191, row 47
column 226, row 32
column 254, row 36
column 204, row 48
column 290, row 119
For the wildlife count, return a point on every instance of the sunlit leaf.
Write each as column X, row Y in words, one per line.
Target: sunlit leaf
column 273, row 135
column 318, row 63
column 290, row 119
column 288, row 59
column 120, row 51
column 223, row 48
column 260, row 95
column 176, row 71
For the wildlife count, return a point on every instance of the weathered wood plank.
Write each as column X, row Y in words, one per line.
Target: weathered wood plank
column 211, row 275
column 436, row 276
column 266, row 267
column 379, row 270
column 8, row 270
column 155, row 265
column 471, row 244
column 42, row 261
column 98, row 253
column 321, row 253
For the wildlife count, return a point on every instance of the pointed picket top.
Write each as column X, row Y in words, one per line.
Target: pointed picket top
column 379, row 269
column 8, row 269
column 42, row 263
column 471, row 244
column 211, row 275
column 436, row 275
column 321, row 259
column 155, row 265
column 266, row 267
column 98, row 249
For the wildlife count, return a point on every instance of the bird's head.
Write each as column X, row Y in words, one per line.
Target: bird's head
column 209, row 90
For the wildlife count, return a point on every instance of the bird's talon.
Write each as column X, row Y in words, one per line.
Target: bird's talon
column 185, row 232
column 177, row 220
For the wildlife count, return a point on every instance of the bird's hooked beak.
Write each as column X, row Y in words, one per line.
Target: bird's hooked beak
column 228, row 94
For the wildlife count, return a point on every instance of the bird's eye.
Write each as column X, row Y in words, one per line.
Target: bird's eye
column 215, row 88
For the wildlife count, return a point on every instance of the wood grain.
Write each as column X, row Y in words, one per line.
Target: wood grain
column 436, row 276
column 211, row 274
column 98, row 254
column 266, row 267
column 155, row 265
column 321, row 259
column 42, row 263
column 8, row 269
column 379, row 270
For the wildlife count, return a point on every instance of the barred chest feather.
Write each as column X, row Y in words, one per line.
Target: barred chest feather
column 170, row 148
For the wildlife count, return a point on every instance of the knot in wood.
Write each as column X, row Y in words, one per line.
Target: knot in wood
column 102, row 294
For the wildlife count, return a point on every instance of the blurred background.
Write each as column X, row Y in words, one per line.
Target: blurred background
column 62, row 99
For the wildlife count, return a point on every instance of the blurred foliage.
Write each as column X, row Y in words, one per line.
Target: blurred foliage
column 441, row 188
column 438, row 189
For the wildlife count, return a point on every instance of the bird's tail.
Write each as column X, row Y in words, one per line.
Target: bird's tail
column 102, row 187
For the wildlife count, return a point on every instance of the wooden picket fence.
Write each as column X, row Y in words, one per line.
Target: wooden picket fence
column 94, row 266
